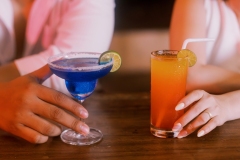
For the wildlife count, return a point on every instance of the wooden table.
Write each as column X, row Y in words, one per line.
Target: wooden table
column 121, row 112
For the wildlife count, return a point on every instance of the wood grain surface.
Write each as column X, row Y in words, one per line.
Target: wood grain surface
column 123, row 117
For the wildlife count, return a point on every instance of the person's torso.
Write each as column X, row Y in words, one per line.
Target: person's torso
column 18, row 29
column 21, row 11
column 222, row 25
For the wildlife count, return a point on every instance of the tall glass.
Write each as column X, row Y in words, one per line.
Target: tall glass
column 81, row 72
column 168, row 86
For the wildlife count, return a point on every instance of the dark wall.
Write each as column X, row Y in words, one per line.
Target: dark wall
column 142, row 14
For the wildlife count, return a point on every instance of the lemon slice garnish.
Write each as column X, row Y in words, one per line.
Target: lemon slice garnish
column 192, row 58
column 108, row 56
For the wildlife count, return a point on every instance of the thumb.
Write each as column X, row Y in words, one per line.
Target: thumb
column 41, row 74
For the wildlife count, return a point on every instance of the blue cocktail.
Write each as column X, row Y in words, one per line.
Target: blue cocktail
column 81, row 71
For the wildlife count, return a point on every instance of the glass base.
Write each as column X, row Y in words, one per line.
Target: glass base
column 163, row 133
column 71, row 137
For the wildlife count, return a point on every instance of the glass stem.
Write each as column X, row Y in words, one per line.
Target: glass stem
column 81, row 101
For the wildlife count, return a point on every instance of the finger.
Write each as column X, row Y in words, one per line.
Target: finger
column 61, row 100
column 41, row 74
column 202, row 119
column 192, row 113
column 212, row 124
column 41, row 125
column 190, row 99
column 29, row 134
column 58, row 115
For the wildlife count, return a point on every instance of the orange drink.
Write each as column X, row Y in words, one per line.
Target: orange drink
column 168, row 87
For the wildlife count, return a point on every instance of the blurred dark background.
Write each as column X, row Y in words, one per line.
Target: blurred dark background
column 141, row 26
column 142, row 14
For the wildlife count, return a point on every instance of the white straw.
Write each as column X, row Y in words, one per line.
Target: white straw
column 195, row 40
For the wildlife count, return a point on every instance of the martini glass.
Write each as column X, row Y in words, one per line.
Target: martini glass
column 80, row 70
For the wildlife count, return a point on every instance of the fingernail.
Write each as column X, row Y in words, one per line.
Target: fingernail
column 177, row 127
column 179, row 106
column 201, row 133
column 84, row 113
column 84, row 128
column 182, row 134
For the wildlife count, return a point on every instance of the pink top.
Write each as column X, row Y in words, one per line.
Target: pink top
column 56, row 26
column 222, row 24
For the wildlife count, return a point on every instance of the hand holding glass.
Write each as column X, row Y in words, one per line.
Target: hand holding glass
column 81, row 71
column 168, row 86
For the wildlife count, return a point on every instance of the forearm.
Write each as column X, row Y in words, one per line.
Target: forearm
column 231, row 102
column 8, row 72
column 213, row 79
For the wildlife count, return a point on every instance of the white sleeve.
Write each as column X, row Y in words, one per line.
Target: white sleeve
column 87, row 25
column 92, row 30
